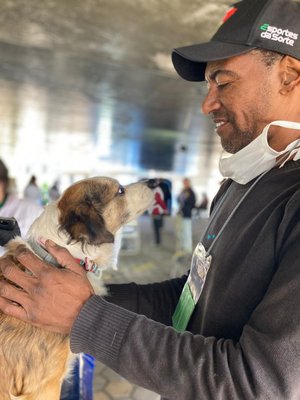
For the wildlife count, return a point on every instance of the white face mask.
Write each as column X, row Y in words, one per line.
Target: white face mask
column 258, row 157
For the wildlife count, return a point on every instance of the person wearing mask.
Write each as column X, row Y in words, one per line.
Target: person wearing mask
column 228, row 330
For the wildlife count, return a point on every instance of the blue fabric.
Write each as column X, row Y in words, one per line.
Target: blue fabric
column 79, row 384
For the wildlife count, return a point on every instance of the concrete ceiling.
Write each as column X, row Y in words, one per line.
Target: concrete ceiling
column 93, row 66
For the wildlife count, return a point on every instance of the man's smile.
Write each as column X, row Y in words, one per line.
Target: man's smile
column 219, row 124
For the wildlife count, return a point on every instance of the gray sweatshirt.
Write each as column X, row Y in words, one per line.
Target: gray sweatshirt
column 243, row 339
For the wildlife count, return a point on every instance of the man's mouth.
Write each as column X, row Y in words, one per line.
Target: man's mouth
column 219, row 124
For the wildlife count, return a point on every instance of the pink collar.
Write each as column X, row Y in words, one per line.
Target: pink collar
column 89, row 265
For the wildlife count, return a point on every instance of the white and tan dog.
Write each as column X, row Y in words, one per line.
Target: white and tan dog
column 85, row 220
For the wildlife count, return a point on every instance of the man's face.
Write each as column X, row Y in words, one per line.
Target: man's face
column 243, row 97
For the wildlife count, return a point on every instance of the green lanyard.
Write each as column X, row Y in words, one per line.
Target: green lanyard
column 200, row 265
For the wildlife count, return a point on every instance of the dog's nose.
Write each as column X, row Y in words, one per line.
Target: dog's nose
column 151, row 183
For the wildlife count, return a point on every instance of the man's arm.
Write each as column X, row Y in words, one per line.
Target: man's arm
column 155, row 300
column 263, row 364
column 51, row 297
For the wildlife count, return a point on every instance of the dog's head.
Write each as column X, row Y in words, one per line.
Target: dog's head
column 90, row 212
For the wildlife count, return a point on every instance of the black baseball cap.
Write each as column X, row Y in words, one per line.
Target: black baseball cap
column 265, row 24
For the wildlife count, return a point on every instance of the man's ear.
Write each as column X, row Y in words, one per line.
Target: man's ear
column 290, row 74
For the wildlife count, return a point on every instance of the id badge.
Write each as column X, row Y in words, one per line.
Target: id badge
column 192, row 289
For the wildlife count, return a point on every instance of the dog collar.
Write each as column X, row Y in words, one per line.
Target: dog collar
column 89, row 266
column 43, row 253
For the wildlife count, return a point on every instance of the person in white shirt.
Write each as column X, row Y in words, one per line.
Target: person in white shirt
column 24, row 211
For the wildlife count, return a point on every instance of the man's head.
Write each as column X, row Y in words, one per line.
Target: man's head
column 247, row 92
column 252, row 69
column 264, row 24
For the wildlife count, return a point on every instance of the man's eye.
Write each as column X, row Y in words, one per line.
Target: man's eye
column 222, row 84
column 121, row 190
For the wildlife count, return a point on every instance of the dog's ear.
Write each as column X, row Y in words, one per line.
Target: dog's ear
column 84, row 224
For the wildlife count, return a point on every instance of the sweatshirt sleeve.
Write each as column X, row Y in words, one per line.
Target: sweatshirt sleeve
column 264, row 364
column 156, row 300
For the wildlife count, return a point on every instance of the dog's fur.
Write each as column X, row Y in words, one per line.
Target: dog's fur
column 85, row 220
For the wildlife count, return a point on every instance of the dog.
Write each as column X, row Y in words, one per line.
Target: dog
column 86, row 220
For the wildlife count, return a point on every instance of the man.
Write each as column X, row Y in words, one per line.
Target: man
column 240, row 337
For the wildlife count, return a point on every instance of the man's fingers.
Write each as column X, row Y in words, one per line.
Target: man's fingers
column 12, row 293
column 11, row 272
column 30, row 261
column 12, row 309
column 17, row 311
column 63, row 257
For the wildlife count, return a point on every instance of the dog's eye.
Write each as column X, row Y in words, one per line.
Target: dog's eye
column 121, row 190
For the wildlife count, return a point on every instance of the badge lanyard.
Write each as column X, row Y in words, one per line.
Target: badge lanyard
column 200, row 265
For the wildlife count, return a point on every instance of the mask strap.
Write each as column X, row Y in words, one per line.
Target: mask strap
column 293, row 154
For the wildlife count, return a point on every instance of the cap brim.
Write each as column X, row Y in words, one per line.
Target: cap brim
column 190, row 61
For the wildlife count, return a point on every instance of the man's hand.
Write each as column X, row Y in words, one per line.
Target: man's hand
column 51, row 298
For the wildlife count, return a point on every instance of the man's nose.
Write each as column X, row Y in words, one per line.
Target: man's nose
column 211, row 102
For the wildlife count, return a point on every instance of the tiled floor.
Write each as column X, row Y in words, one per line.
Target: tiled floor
column 150, row 264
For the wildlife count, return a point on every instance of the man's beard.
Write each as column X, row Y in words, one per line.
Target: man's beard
column 239, row 139
column 233, row 146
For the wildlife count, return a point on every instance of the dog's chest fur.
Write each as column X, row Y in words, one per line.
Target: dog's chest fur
column 32, row 360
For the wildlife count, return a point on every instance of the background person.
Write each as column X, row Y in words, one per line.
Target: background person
column 158, row 210
column 11, row 205
column 54, row 192
column 241, row 338
column 183, row 222
column 33, row 192
column 202, row 207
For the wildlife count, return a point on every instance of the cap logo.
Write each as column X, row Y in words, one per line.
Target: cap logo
column 229, row 14
column 278, row 34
